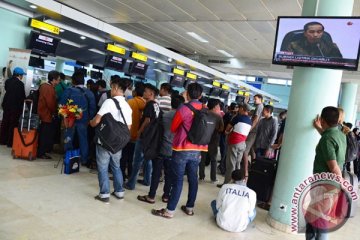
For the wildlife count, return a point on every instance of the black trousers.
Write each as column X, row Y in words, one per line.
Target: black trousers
column 158, row 164
column 9, row 122
column 46, row 137
column 127, row 159
column 211, row 156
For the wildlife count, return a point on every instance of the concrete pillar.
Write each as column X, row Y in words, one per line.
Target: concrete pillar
column 312, row 89
column 348, row 100
column 60, row 65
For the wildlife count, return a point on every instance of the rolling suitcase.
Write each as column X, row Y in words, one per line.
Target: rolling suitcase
column 353, row 179
column 262, row 177
column 25, row 139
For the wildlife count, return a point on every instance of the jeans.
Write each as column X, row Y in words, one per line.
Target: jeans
column 127, row 159
column 137, row 162
column 313, row 233
column 223, row 149
column 213, row 207
column 181, row 161
column 103, row 159
column 233, row 159
column 81, row 131
column 158, row 165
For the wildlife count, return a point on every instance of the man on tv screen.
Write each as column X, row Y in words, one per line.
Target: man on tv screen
column 315, row 42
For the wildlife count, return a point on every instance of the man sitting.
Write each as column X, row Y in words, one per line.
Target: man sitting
column 234, row 207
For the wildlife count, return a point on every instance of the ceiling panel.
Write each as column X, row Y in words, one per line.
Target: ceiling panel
column 283, row 7
column 196, row 10
column 224, row 9
column 253, row 10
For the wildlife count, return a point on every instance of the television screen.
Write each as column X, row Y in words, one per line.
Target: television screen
column 82, row 70
column 224, row 94
column 36, row 62
column 177, row 81
column 328, row 42
column 43, row 44
column 215, row 92
column 95, row 75
column 115, row 63
column 138, row 68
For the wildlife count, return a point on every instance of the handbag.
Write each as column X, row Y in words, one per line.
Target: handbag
column 111, row 134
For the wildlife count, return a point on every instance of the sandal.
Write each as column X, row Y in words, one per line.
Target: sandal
column 186, row 211
column 164, row 199
column 146, row 199
column 161, row 213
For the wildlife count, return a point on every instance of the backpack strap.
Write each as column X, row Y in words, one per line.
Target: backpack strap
column 87, row 100
column 192, row 109
column 119, row 108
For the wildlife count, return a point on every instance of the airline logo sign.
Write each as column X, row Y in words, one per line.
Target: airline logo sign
column 216, row 84
column 178, row 71
column 44, row 26
column 115, row 49
column 240, row 92
column 225, row 87
column 139, row 56
column 191, row 76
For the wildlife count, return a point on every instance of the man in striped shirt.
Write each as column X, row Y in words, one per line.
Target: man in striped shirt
column 165, row 99
column 238, row 130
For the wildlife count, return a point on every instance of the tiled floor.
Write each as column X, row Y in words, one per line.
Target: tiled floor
column 37, row 202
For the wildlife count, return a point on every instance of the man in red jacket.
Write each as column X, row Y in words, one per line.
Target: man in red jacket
column 47, row 109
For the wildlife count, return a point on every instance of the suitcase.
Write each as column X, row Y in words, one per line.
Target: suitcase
column 262, row 177
column 25, row 139
column 353, row 179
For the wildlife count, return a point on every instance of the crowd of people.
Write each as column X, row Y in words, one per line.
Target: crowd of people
column 242, row 132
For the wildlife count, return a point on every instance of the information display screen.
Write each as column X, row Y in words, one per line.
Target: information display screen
column 43, row 44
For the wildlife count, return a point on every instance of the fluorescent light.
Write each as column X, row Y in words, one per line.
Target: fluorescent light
column 157, row 70
column 33, row 6
column 71, row 43
column 96, row 51
column 225, row 53
column 155, row 62
column 83, row 37
column 197, row 37
column 62, row 30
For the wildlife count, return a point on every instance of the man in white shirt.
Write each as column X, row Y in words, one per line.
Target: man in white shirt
column 234, row 207
column 165, row 99
column 104, row 157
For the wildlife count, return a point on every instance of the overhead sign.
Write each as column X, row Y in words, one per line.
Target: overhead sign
column 115, row 49
column 247, row 94
column 44, row 26
column 178, row 71
column 271, row 103
column 240, row 92
column 191, row 76
column 139, row 56
column 216, row 84
column 225, row 87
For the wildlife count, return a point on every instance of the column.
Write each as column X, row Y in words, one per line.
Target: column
column 312, row 89
column 348, row 100
column 60, row 65
column 354, row 115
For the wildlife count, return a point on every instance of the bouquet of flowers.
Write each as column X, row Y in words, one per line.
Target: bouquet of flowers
column 70, row 112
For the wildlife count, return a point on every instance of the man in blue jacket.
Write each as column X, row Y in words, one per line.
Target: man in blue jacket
column 85, row 99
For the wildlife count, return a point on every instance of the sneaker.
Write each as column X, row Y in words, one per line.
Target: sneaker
column 215, row 181
column 104, row 200
column 116, row 196
column 141, row 181
column 201, row 180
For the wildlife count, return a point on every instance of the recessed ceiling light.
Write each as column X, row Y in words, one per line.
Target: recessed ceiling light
column 33, row 6
column 225, row 53
column 197, row 37
column 83, row 38
column 62, row 30
column 155, row 62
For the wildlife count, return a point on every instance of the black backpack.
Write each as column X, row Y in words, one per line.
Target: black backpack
column 352, row 147
column 113, row 135
column 151, row 138
column 34, row 96
column 202, row 127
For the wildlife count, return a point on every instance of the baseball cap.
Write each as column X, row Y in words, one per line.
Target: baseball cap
column 19, row 71
column 246, row 107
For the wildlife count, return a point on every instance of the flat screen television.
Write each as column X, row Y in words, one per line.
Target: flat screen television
column 177, row 81
column 215, row 92
column 114, row 63
column 36, row 62
column 224, row 94
column 95, row 75
column 327, row 42
column 137, row 68
column 43, row 44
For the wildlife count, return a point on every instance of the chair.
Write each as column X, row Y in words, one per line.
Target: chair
column 298, row 34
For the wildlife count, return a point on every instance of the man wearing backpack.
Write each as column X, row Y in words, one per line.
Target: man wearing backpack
column 85, row 99
column 150, row 114
column 186, row 155
column 105, row 157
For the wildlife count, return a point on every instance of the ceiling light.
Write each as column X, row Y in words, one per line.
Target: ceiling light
column 225, row 53
column 155, row 62
column 197, row 37
column 33, row 6
column 83, row 37
column 97, row 51
column 62, row 30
